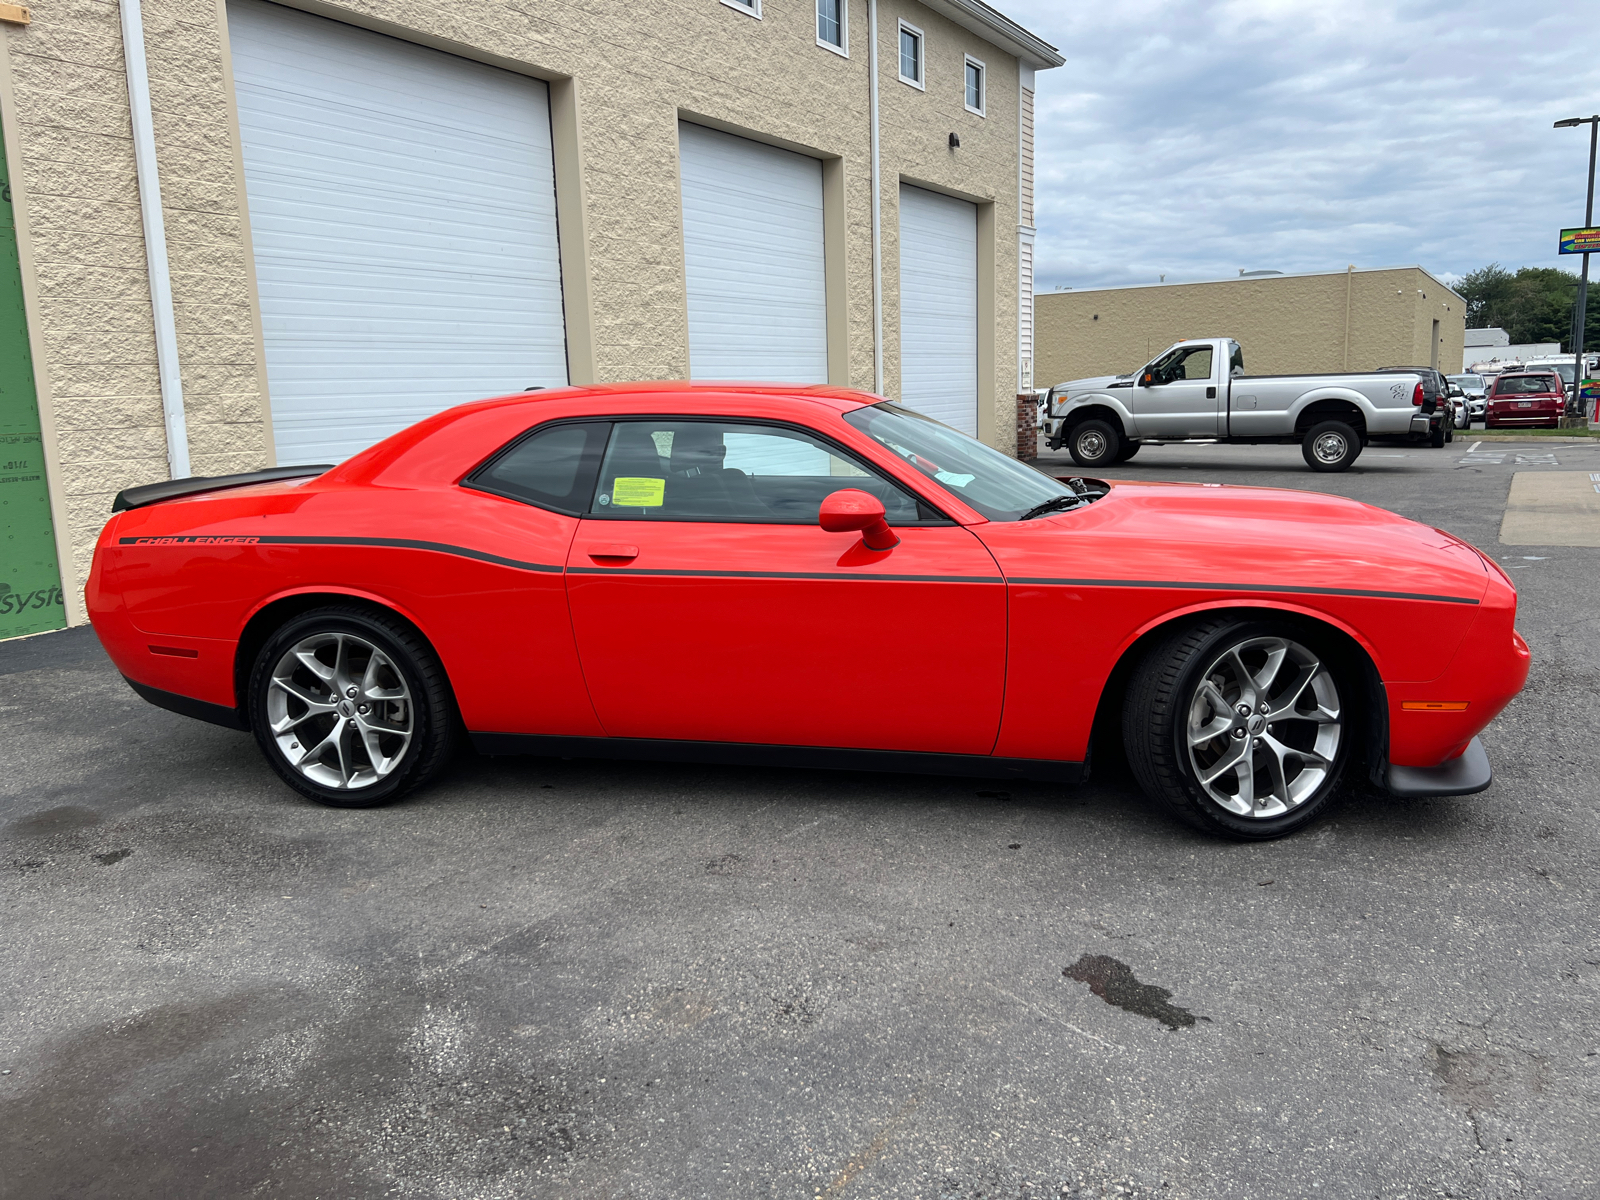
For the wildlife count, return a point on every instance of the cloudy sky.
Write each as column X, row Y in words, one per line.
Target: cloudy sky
column 1196, row 139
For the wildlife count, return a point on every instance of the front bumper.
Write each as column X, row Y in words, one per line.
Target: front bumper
column 1463, row 775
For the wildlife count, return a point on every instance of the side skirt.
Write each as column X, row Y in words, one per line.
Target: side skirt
column 188, row 706
column 751, row 755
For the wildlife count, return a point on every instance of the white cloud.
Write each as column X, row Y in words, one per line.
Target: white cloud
column 1196, row 140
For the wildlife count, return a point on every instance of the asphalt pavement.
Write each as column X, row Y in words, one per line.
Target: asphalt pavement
column 547, row 978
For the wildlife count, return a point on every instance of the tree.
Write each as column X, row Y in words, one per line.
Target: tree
column 1534, row 304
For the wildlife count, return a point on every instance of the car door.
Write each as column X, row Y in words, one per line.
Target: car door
column 1180, row 399
column 710, row 606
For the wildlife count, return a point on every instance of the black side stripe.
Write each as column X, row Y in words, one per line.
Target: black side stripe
column 483, row 556
column 396, row 543
column 1245, row 587
column 710, row 574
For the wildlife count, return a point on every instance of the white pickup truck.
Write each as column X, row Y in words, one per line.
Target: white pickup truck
column 1197, row 391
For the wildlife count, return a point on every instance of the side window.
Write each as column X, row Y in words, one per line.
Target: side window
column 552, row 468
column 1196, row 364
column 1235, row 359
column 667, row 470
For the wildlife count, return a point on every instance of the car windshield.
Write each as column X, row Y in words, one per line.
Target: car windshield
column 999, row 487
column 1467, row 381
column 1524, row 385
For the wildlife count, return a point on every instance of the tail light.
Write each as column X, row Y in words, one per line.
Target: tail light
column 1416, row 394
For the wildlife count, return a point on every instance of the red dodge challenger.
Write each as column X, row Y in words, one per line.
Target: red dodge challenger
column 808, row 576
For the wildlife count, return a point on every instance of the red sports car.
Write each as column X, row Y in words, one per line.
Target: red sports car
column 811, row 576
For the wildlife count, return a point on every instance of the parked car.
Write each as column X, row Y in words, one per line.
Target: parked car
column 805, row 576
column 1476, row 390
column 1196, row 391
column 1526, row 398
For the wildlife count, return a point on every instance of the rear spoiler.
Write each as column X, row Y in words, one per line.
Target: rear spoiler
column 171, row 489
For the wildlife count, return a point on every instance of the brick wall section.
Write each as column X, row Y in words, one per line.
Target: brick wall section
column 1027, row 430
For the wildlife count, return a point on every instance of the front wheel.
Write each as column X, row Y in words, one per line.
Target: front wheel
column 351, row 707
column 1330, row 446
column 1129, row 449
column 1241, row 726
column 1095, row 443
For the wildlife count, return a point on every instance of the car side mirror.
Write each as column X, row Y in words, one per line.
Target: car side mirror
column 1148, row 379
column 851, row 509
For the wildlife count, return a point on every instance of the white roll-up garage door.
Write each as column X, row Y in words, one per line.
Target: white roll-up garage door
column 402, row 206
column 939, row 307
column 752, row 249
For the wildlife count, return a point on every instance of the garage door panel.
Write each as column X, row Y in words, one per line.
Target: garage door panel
column 753, row 259
column 939, row 307
column 402, row 207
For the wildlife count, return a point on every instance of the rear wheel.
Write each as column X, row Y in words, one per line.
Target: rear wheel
column 1438, row 436
column 1095, row 443
column 351, row 707
column 1330, row 446
column 1241, row 726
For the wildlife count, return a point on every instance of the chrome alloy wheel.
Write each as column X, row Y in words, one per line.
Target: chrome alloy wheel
column 1330, row 447
column 339, row 710
column 1264, row 727
column 1092, row 443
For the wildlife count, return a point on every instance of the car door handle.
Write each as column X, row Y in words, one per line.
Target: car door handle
column 613, row 551
column 1211, row 393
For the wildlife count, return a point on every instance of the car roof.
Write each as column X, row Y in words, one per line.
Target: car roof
column 841, row 399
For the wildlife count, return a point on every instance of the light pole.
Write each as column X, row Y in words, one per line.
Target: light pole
column 1579, row 311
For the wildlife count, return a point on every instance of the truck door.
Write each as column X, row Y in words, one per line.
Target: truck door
column 1177, row 395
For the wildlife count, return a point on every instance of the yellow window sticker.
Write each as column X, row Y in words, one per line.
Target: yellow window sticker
column 637, row 493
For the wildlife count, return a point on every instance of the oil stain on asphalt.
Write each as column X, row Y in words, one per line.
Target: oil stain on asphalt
column 1114, row 983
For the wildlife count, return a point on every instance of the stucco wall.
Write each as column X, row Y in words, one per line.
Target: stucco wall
column 634, row 72
column 1286, row 324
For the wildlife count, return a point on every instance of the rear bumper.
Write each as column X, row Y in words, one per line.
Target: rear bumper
column 1463, row 775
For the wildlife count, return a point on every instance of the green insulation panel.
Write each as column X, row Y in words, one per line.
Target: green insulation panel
column 30, row 578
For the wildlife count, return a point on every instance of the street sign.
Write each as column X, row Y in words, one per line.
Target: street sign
column 1580, row 241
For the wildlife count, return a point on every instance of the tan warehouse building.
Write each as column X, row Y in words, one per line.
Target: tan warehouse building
column 250, row 233
column 1349, row 320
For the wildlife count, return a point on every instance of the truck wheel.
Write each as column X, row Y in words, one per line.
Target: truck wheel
column 1436, row 436
column 1241, row 726
column 1095, row 443
column 1129, row 449
column 1449, row 432
column 1330, row 446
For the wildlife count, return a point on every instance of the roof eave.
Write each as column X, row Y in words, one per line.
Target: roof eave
column 1000, row 30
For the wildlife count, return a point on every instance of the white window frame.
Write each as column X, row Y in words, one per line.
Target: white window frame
column 922, row 56
column 983, row 86
column 750, row 8
column 843, row 49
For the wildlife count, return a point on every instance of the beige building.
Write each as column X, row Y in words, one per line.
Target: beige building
column 1338, row 321
column 252, row 233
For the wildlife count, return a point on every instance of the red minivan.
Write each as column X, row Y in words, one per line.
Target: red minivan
column 1531, row 398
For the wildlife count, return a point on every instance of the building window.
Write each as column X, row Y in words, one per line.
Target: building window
column 976, row 91
column 910, row 55
column 748, row 7
column 831, row 26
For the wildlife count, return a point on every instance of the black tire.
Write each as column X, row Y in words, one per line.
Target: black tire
column 394, row 661
column 1163, row 697
column 1438, row 436
column 1449, row 432
column 1095, row 443
column 1129, row 449
column 1330, row 446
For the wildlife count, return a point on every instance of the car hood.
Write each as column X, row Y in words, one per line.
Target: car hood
column 1246, row 539
column 1074, row 386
